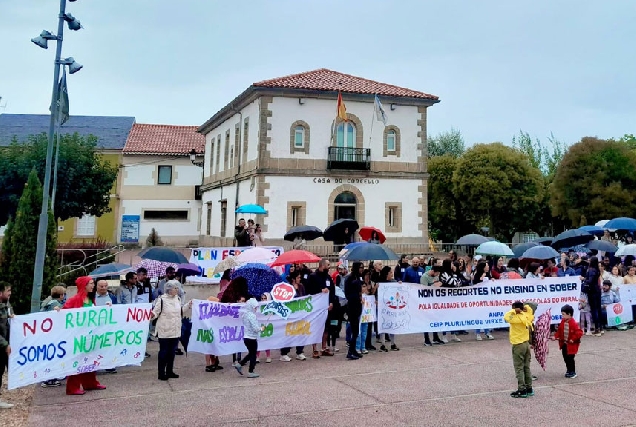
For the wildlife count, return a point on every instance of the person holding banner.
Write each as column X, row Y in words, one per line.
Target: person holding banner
column 294, row 279
column 353, row 293
column 77, row 385
column 5, row 348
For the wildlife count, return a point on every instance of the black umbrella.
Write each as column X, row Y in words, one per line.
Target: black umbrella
column 520, row 249
column 602, row 245
column 163, row 254
column 335, row 232
column 472, row 240
column 570, row 238
column 545, row 241
column 186, row 331
column 307, row 232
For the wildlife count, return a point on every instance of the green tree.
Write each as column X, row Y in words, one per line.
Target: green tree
column 84, row 182
column 449, row 143
column 544, row 157
column 153, row 239
column 19, row 255
column 497, row 186
column 443, row 207
column 596, row 179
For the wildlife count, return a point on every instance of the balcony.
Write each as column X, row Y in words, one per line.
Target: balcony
column 348, row 158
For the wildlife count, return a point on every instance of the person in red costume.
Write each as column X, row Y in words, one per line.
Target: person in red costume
column 88, row 380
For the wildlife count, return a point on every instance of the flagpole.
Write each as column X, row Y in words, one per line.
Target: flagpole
column 372, row 121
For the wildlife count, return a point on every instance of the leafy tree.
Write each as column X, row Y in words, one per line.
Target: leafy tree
column 543, row 157
column 153, row 239
column 629, row 140
column 446, row 143
column 447, row 222
column 20, row 245
column 596, row 179
column 498, row 187
column 84, row 182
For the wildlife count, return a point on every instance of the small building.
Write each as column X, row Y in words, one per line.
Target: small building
column 159, row 186
column 279, row 145
column 111, row 133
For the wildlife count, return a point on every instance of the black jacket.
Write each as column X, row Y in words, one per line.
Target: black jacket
column 320, row 280
column 242, row 236
column 353, row 290
column 398, row 274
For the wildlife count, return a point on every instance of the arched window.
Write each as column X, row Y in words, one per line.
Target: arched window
column 346, row 135
column 345, row 205
column 346, row 197
column 299, row 137
column 390, row 141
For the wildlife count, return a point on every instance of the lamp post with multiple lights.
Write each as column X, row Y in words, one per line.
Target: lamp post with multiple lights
column 42, row 41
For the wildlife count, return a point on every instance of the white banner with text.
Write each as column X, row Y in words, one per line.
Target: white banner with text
column 208, row 258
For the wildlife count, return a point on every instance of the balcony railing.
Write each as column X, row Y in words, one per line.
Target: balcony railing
column 349, row 158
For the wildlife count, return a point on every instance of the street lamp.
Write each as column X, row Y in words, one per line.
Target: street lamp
column 42, row 41
column 193, row 158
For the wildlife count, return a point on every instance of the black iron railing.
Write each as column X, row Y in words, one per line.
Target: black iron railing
column 349, row 158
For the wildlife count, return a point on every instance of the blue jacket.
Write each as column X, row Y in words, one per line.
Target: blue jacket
column 567, row 272
column 413, row 275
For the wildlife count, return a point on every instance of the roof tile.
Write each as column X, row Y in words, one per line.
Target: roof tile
column 164, row 139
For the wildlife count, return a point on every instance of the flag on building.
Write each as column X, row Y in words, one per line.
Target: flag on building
column 62, row 101
column 342, row 110
column 380, row 114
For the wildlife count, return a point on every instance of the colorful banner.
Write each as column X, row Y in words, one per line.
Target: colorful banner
column 369, row 309
column 208, row 258
column 56, row 344
column 405, row 308
column 218, row 329
column 619, row 313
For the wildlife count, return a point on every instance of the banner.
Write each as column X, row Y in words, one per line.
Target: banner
column 408, row 308
column 369, row 309
column 208, row 258
column 619, row 313
column 55, row 344
column 218, row 329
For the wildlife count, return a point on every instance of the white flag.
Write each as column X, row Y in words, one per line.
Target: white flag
column 379, row 111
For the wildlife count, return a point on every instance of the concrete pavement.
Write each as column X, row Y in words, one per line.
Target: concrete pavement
column 458, row 384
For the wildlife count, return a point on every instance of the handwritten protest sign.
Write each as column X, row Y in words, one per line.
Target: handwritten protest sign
column 217, row 328
column 369, row 309
column 283, row 292
column 208, row 258
column 405, row 309
column 619, row 313
column 55, row 344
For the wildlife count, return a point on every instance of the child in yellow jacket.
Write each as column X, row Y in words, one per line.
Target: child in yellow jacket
column 520, row 319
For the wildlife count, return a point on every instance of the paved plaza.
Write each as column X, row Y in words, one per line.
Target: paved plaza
column 458, row 384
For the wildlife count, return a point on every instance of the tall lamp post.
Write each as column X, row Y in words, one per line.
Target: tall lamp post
column 42, row 41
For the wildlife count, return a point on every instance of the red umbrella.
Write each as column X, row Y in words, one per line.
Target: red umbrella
column 295, row 257
column 367, row 232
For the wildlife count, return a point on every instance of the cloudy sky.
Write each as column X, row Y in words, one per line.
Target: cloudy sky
column 566, row 66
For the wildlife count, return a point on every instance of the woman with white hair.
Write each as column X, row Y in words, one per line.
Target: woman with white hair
column 168, row 311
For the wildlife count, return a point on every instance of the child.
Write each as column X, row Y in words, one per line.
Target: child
column 265, row 297
column 54, row 302
column 212, row 361
column 569, row 335
column 364, row 327
column 520, row 319
column 586, row 314
column 250, row 337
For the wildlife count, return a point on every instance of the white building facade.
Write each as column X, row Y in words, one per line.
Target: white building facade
column 280, row 145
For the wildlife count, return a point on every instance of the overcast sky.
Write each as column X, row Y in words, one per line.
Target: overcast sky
column 567, row 67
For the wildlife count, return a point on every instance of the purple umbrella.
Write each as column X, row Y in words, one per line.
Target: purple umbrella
column 260, row 278
column 155, row 268
column 188, row 269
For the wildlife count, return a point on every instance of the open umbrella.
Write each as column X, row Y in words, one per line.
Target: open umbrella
column 370, row 251
column 545, row 241
column 570, row 238
column 540, row 253
column 186, row 331
column 593, row 229
column 542, row 337
column 367, row 232
column 251, row 209
column 228, row 263
column 163, row 254
column 626, row 250
column 520, row 249
column 601, row 223
column 155, row 268
column 494, row 248
column 472, row 240
column 335, row 231
column 112, row 269
column 602, row 245
column 307, row 232
column 260, row 278
column 621, row 223
column 296, row 257
column 256, row 254
column 188, row 269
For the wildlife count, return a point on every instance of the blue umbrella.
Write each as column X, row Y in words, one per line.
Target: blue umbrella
column 251, row 209
column 593, row 229
column 540, row 252
column 260, row 278
column 163, row 254
column 112, row 269
column 621, row 223
column 472, row 240
column 520, row 249
column 494, row 248
column 570, row 238
column 602, row 245
column 364, row 251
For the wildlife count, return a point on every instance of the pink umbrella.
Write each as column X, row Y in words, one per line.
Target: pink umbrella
column 256, row 254
column 541, row 338
column 155, row 268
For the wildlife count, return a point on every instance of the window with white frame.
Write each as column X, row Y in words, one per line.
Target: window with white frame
column 390, row 141
column 86, row 226
column 164, row 175
column 346, row 135
column 299, row 137
column 295, row 215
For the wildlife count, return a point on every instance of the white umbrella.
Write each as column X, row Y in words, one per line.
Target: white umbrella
column 494, row 248
column 256, row 254
column 626, row 250
column 602, row 223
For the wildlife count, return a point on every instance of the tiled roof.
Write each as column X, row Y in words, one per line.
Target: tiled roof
column 164, row 139
column 328, row 80
column 110, row 131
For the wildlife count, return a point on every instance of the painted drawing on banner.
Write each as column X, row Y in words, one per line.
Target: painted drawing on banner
column 618, row 313
column 393, row 307
column 369, row 309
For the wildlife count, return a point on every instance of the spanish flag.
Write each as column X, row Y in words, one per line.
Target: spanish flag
column 342, row 110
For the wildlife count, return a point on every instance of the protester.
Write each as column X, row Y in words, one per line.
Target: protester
column 294, row 280
column 168, row 311
column 414, row 272
column 591, row 287
column 353, row 293
column 257, row 237
column 80, row 383
column 266, row 297
column 482, row 274
column 5, row 349
column 565, row 269
column 103, row 296
column 520, row 319
column 242, row 234
column 569, row 336
column 387, row 276
column 400, row 268
column 126, row 293
column 250, row 338
column 586, row 315
column 212, row 361
column 608, row 296
column 144, row 287
column 320, row 282
column 54, row 303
